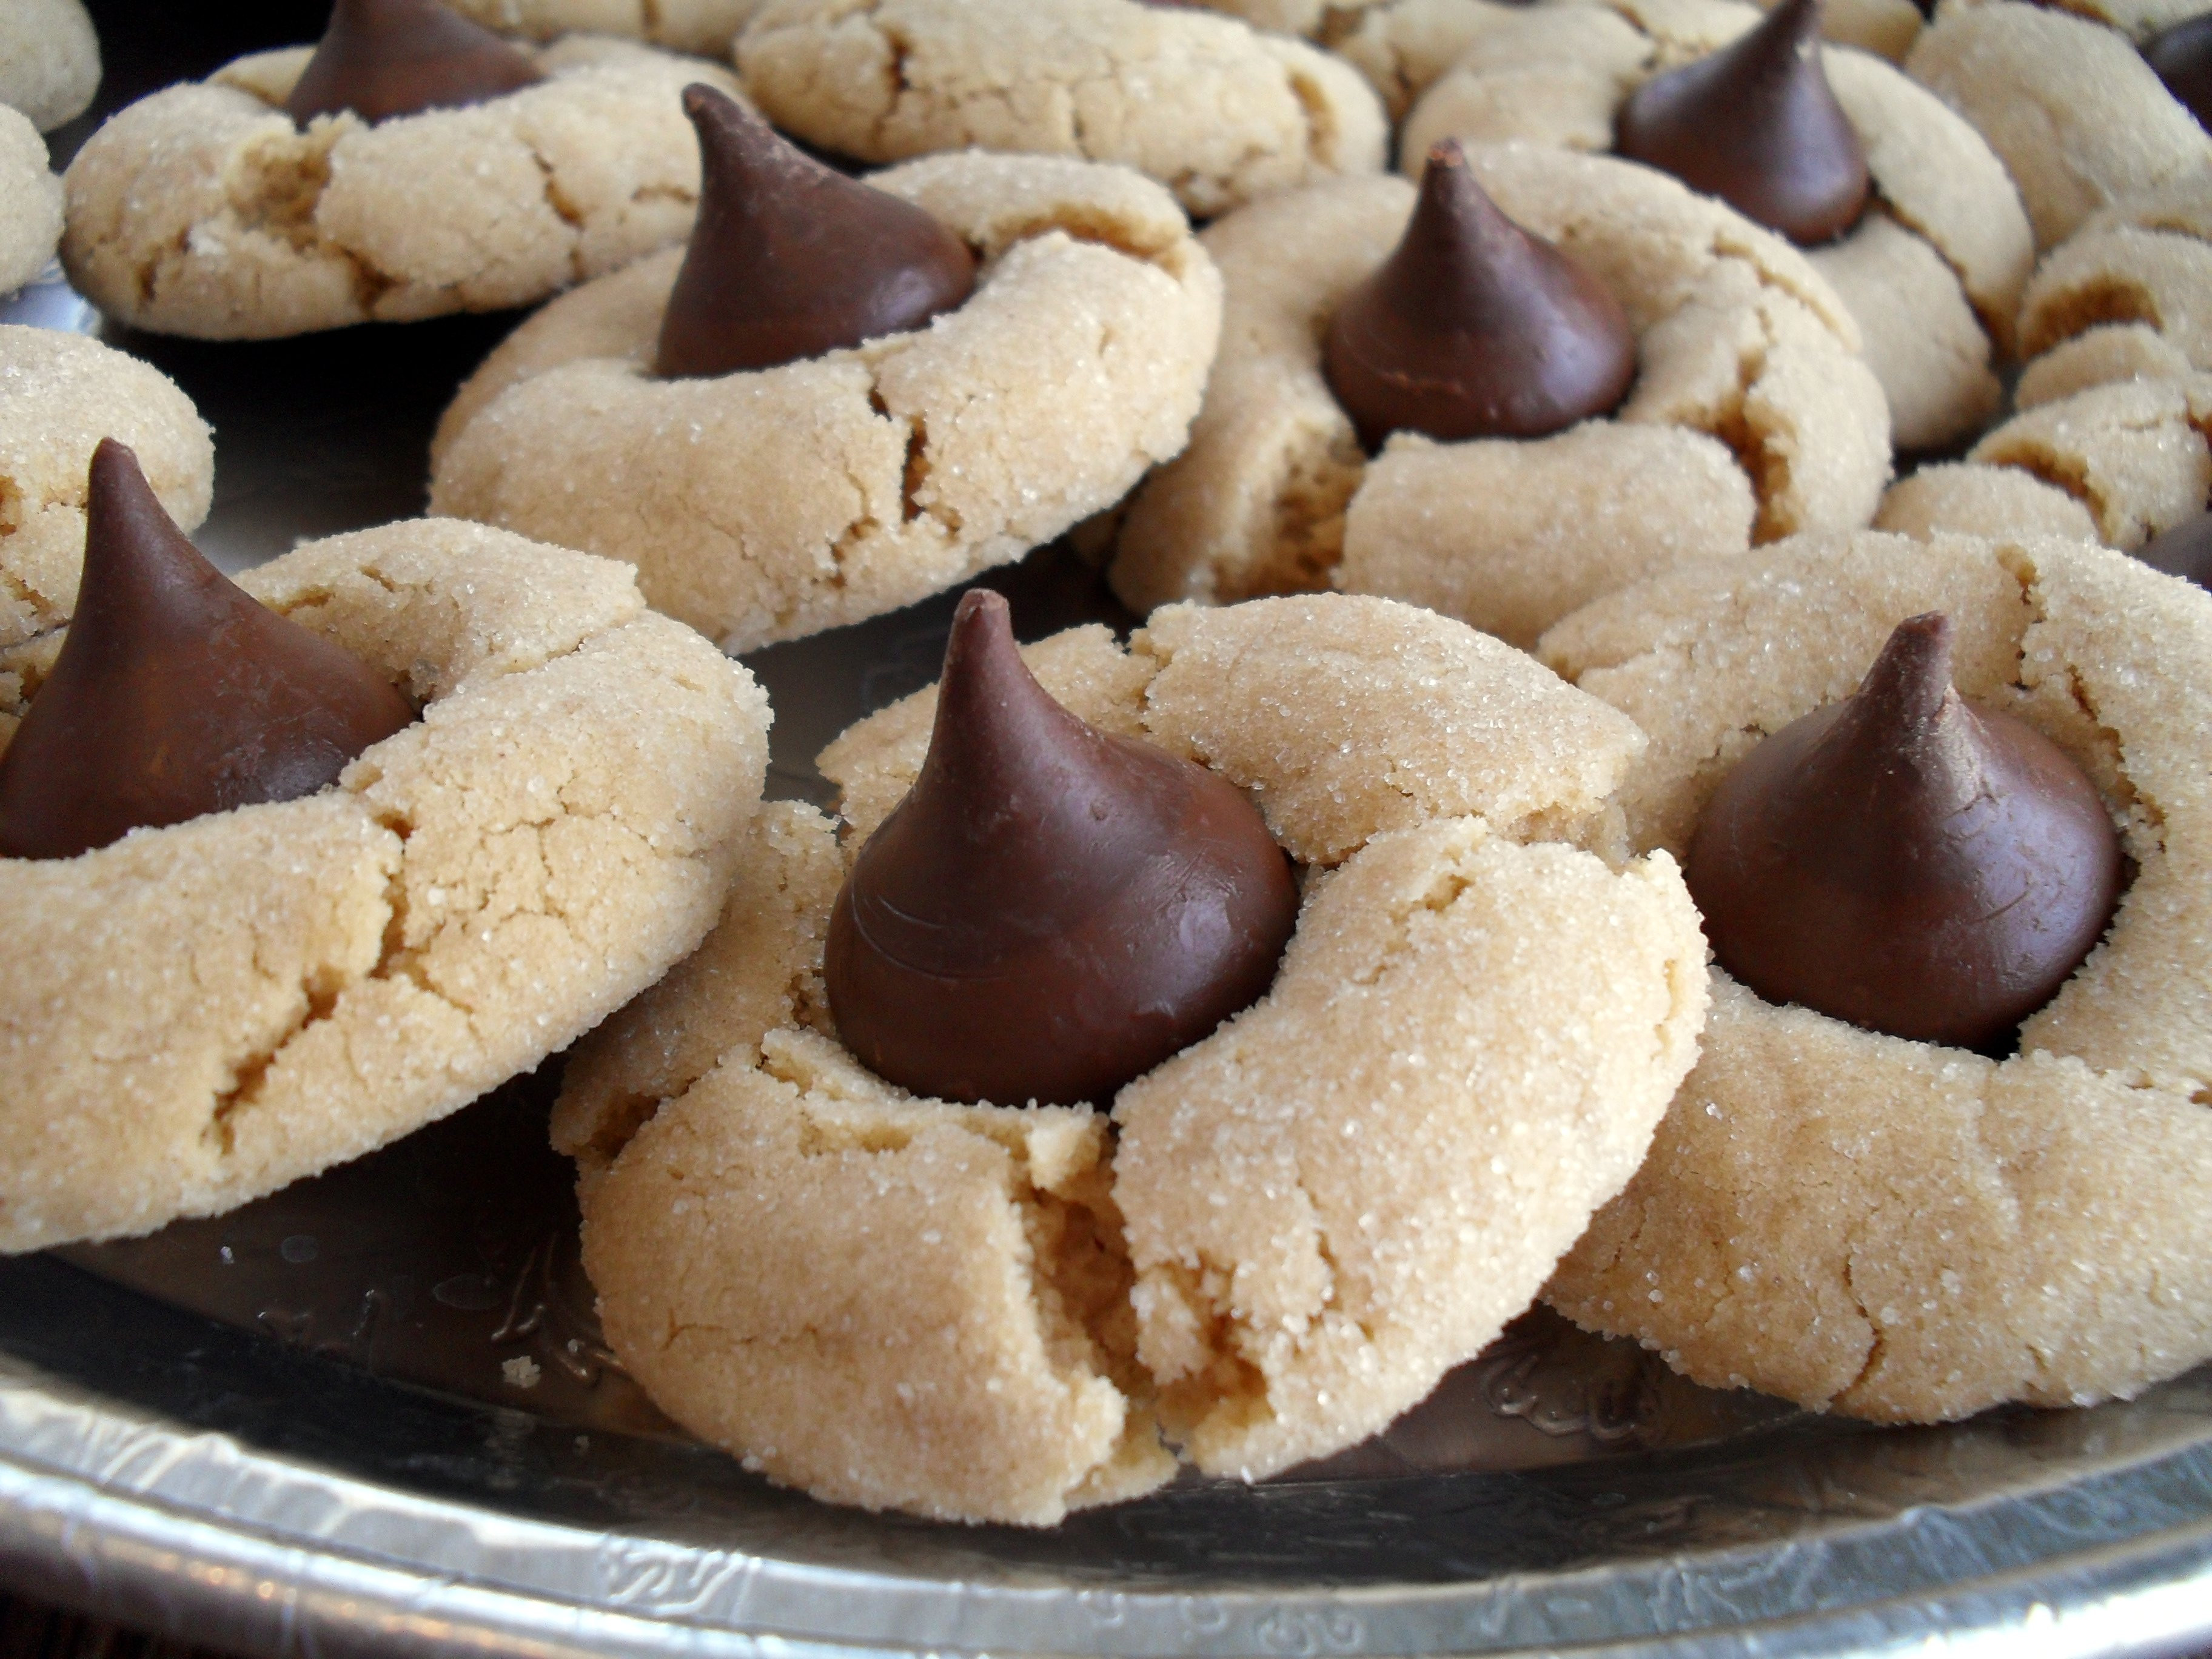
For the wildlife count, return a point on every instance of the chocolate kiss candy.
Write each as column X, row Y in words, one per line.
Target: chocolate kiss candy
column 789, row 259
column 1756, row 124
column 1473, row 328
column 174, row 694
column 2183, row 58
column 2184, row 551
column 385, row 57
column 1051, row 911
column 1904, row 860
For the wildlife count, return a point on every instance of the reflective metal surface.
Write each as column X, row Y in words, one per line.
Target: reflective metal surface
column 371, row 1413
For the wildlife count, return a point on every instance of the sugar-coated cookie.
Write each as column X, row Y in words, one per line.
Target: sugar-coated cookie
column 204, row 211
column 767, row 505
column 1891, row 1229
column 704, row 27
column 1934, row 269
column 60, row 394
column 985, row 1313
column 1752, row 417
column 1216, row 110
column 321, row 975
column 30, row 202
column 48, row 61
column 2142, row 266
column 2078, row 117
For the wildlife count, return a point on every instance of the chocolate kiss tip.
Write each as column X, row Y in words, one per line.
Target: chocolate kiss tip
column 1473, row 328
column 789, row 259
column 1051, row 911
column 2182, row 56
column 381, row 58
column 174, row 693
column 1756, row 125
column 1904, row 860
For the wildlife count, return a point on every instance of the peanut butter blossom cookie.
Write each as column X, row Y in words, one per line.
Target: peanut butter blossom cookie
column 49, row 60
column 30, row 202
column 1215, row 110
column 60, row 394
column 412, row 164
column 1899, row 202
column 411, row 811
column 845, row 396
column 1734, row 408
column 813, row 1249
column 1945, row 1144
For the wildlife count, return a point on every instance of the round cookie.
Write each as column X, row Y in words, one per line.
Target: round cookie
column 1216, row 112
column 30, row 202
column 1932, row 271
column 204, row 210
column 765, row 506
column 1890, row 1229
column 2127, row 296
column 2133, row 454
column 48, row 61
column 979, row 1313
column 2077, row 117
column 1752, row 417
column 704, row 27
column 60, row 394
column 321, row 975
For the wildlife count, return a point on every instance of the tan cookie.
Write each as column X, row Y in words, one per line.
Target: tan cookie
column 1933, row 272
column 1216, row 112
column 1763, row 421
column 49, row 60
column 978, row 1313
column 2098, row 357
column 1966, row 498
column 1891, row 1229
column 30, row 202
column 60, row 394
column 2137, row 19
column 2079, row 119
column 2144, row 263
column 765, row 506
column 2133, row 453
column 203, row 210
column 230, row 1003
column 704, row 27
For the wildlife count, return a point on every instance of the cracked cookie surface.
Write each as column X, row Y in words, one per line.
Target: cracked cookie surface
column 60, row 394
column 1751, row 416
column 204, row 210
column 30, row 202
column 225, row 1005
column 1933, row 272
column 703, row 27
column 767, row 505
column 977, row 1313
column 1214, row 110
column 48, row 61
column 1898, row 1229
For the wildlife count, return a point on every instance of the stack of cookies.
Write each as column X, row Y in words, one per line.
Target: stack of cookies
column 1667, row 765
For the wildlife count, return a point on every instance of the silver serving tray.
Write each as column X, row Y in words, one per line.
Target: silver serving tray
column 372, row 1414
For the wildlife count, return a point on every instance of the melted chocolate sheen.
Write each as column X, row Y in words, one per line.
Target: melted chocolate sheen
column 1473, row 328
column 1051, row 911
column 385, row 57
column 789, row 259
column 1756, row 125
column 174, row 693
column 2183, row 58
column 1904, row 860
column 2186, row 551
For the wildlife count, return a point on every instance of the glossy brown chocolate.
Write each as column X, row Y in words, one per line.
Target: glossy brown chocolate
column 385, row 57
column 1756, row 125
column 2182, row 56
column 789, row 259
column 174, row 693
column 1904, row 860
column 1051, row 911
column 1473, row 328
column 2186, row 551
